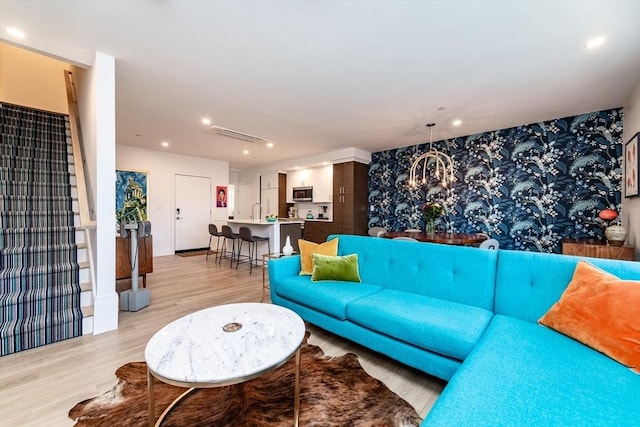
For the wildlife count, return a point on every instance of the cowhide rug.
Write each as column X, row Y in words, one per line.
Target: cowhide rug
column 333, row 392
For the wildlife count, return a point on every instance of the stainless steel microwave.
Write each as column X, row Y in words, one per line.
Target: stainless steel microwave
column 302, row 194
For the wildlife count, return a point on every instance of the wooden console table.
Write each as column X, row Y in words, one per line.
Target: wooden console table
column 461, row 239
column 597, row 249
column 123, row 258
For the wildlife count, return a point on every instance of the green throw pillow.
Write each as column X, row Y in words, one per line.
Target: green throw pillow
column 343, row 268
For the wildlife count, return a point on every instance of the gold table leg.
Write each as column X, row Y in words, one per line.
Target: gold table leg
column 296, row 392
column 265, row 257
column 151, row 396
column 173, row 405
column 152, row 403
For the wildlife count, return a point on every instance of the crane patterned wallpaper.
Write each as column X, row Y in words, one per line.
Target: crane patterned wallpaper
column 528, row 187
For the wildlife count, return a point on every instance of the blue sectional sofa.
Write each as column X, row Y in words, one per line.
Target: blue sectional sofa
column 469, row 316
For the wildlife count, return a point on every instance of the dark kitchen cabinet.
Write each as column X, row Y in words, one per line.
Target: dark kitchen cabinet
column 283, row 208
column 350, row 193
column 294, row 231
column 317, row 231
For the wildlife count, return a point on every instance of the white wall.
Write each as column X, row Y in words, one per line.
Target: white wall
column 32, row 80
column 162, row 168
column 234, row 176
column 631, row 206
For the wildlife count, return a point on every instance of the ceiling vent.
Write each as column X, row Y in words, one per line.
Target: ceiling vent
column 237, row 135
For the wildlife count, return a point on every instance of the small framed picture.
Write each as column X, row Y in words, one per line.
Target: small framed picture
column 221, row 196
column 631, row 167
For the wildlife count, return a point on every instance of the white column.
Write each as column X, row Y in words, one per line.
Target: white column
column 106, row 305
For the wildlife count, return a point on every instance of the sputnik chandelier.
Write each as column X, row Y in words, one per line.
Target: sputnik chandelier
column 436, row 162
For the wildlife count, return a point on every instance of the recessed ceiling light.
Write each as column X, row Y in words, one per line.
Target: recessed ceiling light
column 595, row 42
column 456, row 122
column 325, row 163
column 206, row 121
column 296, row 167
column 245, row 152
column 269, row 144
column 165, row 144
column 15, row 32
column 442, row 108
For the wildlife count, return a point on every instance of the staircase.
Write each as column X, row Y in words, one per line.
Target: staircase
column 45, row 281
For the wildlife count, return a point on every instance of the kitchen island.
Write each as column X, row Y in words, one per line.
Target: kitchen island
column 272, row 230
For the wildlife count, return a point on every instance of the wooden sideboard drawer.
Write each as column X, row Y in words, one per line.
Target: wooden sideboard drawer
column 123, row 258
column 598, row 250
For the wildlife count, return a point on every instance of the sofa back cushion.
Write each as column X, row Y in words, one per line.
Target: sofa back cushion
column 529, row 283
column 460, row 274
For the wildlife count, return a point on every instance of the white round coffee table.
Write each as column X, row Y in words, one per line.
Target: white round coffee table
column 223, row 345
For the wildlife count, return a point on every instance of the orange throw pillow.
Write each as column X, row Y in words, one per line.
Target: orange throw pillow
column 601, row 311
column 307, row 248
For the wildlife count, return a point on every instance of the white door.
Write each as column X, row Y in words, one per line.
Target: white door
column 193, row 212
column 244, row 199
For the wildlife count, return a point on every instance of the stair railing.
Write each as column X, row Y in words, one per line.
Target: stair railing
column 87, row 221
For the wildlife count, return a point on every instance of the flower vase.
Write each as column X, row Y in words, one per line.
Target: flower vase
column 430, row 227
column 287, row 249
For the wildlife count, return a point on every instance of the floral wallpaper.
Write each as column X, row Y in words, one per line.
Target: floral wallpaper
column 528, row 187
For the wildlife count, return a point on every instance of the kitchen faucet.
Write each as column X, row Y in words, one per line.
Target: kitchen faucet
column 259, row 211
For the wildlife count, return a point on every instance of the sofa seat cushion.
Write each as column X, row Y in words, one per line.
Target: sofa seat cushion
column 523, row 374
column 444, row 327
column 329, row 297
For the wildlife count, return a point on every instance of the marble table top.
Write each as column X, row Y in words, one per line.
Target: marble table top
column 224, row 345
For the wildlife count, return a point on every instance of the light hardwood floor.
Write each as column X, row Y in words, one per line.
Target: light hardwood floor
column 39, row 386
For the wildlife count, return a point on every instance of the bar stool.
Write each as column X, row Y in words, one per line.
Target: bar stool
column 213, row 232
column 247, row 236
column 228, row 234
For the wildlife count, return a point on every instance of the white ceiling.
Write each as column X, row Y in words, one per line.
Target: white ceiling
column 317, row 76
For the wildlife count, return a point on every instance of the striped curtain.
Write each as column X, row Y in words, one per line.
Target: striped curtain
column 39, row 277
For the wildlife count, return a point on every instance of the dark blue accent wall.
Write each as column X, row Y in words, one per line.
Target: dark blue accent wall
column 528, row 187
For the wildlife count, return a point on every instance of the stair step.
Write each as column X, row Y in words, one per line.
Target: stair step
column 17, row 300
column 35, row 274
column 86, row 296
column 33, row 250
column 17, row 187
column 83, row 264
column 34, row 175
column 25, row 188
column 87, row 311
column 37, row 236
column 86, row 286
column 61, row 203
column 52, row 229
column 34, row 152
column 87, row 325
column 29, row 162
column 35, row 219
